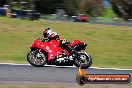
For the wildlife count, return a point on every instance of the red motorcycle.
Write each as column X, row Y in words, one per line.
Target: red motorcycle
column 49, row 51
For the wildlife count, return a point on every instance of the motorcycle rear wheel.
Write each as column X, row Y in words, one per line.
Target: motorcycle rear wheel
column 37, row 59
column 85, row 60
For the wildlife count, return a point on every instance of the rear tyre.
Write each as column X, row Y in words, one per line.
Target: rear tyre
column 36, row 58
column 85, row 60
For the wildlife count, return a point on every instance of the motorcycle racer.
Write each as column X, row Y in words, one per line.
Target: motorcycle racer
column 48, row 33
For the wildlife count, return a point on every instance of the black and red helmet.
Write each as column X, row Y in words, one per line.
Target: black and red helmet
column 47, row 32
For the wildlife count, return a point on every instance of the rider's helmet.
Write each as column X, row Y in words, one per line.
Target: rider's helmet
column 47, row 32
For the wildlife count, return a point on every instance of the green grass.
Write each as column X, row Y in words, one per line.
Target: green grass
column 109, row 13
column 110, row 46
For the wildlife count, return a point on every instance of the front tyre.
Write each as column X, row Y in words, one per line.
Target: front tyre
column 36, row 58
column 84, row 60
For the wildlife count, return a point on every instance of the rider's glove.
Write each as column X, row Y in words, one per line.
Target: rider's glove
column 64, row 41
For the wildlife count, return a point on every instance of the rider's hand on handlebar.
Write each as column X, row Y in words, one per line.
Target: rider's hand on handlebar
column 64, row 41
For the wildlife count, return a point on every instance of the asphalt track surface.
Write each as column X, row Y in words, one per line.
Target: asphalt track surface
column 114, row 24
column 27, row 73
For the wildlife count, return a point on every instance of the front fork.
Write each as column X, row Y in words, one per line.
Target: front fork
column 37, row 52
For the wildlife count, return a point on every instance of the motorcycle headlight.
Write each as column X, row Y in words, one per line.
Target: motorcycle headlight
column 47, row 47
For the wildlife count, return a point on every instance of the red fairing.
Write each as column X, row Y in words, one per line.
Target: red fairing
column 58, row 52
column 35, row 44
column 75, row 42
column 51, row 47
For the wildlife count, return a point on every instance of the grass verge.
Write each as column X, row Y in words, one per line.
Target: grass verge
column 66, row 86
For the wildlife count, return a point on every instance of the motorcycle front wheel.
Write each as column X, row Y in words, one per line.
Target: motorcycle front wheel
column 36, row 58
column 84, row 60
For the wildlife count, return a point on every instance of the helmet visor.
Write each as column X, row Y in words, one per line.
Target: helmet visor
column 49, row 32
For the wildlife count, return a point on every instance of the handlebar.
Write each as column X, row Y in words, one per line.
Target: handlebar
column 43, row 39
